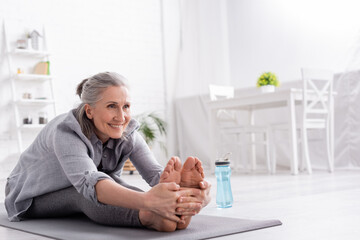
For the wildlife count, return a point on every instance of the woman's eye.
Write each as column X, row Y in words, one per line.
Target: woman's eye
column 126, row 106
column 112, row 106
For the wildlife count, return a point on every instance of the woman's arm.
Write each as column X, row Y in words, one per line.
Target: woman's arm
column 145, row 161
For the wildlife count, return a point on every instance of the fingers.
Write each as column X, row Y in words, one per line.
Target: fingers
column 204, row 184
column 189, row 192
column 201, row 201
column 188, row 199
column 190, row 208
column 171, row 186
column 196, row 195
column 174, row 218
column 183, row 213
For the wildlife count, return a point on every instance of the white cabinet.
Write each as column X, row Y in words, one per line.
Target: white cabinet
column 33, row 100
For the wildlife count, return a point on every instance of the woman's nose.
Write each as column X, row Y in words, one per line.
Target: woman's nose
column 120, row 116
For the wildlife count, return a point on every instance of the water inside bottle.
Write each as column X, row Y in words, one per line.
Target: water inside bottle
column 224, row 198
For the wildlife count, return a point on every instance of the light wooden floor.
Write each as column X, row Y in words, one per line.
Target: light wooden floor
column 317, row 206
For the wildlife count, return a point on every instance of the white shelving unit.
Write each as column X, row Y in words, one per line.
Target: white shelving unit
column 29, row 77
column 25, row 81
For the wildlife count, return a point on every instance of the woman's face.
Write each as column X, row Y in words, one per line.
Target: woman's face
column 111, row 114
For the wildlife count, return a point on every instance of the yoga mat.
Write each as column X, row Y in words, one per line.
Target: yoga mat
column 80, row 227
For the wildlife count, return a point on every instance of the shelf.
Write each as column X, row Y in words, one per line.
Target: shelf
column 34, row 101
column 24, row 102
column 30, row 53
column 31, row 126
column 28, row 77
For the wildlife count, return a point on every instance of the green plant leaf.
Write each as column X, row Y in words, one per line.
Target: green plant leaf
column 151, row 127
column 161, row 124
column 148, row 133
column 267, row 78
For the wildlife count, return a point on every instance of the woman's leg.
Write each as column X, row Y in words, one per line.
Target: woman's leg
column 68, row 201
column 55, row 204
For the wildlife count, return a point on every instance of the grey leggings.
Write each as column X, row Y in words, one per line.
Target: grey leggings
column 68, row 201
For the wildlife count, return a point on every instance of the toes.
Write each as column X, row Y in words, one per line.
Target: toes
column 177, row 165
column 171, row 171
column 198, row 163
column 200, row 170
column 171, row 162
column 199, row 167
column 167, row 170
column 189, row 163
column 169, row 166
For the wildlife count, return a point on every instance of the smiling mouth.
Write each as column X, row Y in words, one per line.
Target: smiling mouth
column 116, row 125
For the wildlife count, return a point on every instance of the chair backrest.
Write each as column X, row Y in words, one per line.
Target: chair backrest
column 317, row 91
column 221, row 92
column 218, row 92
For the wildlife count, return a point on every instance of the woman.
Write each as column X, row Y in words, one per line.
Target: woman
column 75, row 162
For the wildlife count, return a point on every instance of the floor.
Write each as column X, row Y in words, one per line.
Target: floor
column 317, row 206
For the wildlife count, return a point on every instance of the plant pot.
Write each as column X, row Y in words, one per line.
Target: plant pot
column 267, row 88
column 128, row 166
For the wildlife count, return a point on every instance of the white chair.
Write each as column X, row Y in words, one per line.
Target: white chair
column 317, row 113
column 218, row 92
column 237, row 134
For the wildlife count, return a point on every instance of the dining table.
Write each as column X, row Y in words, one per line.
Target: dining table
column 280, row 98
column 192, row 133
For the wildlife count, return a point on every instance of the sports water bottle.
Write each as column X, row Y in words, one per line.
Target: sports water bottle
column 224, row 198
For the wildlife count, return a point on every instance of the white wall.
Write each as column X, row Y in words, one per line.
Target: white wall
column 171, row 45
column 90, row 36
column 203, row 53
column 283, row 36
column 87, row 37
column 278, row 35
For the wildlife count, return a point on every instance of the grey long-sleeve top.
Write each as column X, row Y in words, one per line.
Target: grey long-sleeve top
column 62, row 156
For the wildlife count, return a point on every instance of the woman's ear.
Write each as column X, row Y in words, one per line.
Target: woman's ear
column 88, row 111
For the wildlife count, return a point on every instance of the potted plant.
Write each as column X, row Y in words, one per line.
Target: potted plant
column 151, row 128
column 267, row 82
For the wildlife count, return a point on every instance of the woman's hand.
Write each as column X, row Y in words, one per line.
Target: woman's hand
column 162, row 199
column 199, row 197
column 205, row 196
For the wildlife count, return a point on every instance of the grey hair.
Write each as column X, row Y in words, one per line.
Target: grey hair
column 90, row 91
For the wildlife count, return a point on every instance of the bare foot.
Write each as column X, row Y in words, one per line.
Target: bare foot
column 156, row 222
column 192, row 173
column 172, row 171
column 181, row 226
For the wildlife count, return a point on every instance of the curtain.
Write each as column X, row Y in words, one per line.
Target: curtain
column 203, row 51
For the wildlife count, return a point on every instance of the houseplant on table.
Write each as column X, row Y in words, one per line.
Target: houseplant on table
column 151, row 128
column 267, row 82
